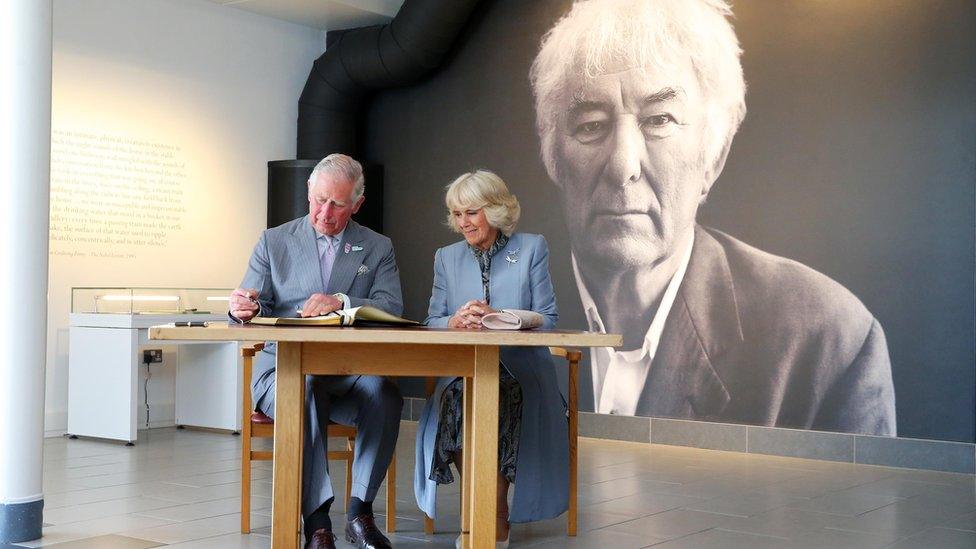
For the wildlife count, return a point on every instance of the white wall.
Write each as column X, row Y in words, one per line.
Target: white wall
column 165, row 113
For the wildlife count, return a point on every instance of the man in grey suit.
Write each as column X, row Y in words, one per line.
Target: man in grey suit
column 637, row 102
column 315, row 265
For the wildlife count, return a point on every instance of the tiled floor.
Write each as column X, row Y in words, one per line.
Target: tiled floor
column 180, row 489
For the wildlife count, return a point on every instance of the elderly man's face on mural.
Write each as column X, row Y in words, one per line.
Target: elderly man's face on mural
column 629, row 156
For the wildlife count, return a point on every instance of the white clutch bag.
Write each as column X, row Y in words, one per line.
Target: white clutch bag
column 512, row 319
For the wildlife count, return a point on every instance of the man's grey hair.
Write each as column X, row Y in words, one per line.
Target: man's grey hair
column 601, row 36
column 341, row 166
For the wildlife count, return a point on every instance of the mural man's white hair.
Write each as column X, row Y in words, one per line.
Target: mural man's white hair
column 601, row 36
column 343, row 166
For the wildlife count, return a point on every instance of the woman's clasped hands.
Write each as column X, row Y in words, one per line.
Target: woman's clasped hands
column 470, row 315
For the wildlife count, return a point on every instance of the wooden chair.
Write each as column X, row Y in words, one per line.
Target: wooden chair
column 572, row 357
column 257, row 425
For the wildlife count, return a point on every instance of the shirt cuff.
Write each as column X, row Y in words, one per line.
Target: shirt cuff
column 344, row 298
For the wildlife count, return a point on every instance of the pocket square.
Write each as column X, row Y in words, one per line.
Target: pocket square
column 363, row 269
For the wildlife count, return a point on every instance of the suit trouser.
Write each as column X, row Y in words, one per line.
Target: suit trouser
column 372, row 404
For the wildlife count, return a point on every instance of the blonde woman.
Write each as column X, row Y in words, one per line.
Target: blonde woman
column 495, row 267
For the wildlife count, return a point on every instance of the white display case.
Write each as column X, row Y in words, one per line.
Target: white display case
column 108, row 330
column 150, row 301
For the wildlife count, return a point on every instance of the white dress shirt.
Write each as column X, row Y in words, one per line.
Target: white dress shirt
column 619, row 376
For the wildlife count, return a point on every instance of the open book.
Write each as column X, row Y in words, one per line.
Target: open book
column 512, row 319
column 358, row 316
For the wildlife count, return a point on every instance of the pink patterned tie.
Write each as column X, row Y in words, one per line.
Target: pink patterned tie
column 327, row 260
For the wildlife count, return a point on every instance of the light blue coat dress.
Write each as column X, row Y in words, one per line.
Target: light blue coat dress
column 519, row 279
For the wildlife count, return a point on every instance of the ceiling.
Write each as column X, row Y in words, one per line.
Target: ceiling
column 322, row 14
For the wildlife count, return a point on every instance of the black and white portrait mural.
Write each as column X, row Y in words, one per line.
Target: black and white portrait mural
column 806, row 265
column 637, row 104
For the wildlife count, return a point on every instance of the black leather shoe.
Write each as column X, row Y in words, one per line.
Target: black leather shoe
column 363, row 533
column 321, row 539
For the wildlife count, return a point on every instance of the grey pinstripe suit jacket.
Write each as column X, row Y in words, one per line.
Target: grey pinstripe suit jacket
column 285, row 270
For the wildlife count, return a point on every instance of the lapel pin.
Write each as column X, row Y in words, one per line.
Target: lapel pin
column 512, row 255
column 348, row 246
column 357, row 248
column 363, row 269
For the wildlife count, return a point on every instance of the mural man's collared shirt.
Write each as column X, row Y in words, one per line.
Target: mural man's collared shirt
column 619, row 376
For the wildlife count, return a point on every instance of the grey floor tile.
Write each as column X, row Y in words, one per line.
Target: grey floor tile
column 963, row 522
column 943, row 538
column 111, row 541
column 227, row 541
column 223, row 477
column 721, row 486
column 180, row 493
column 957, row 497
column 677, row 474
column 840, row 539
column 613, row 489
column 91, row 511
column 198, row 529
column 745, row 505
column 902, row 518
column 896, row 486
column 672, row 524
column 587, row 521
column 783, row 523
column 937, row 477
column 215, row 508
column 723, row 539
column 606, row 537
column 92, row 528
column 640, row 505
column 839, row 503
column 91, row 495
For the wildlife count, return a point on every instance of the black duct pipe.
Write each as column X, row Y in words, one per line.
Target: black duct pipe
column 372, row 58
column 355, row 63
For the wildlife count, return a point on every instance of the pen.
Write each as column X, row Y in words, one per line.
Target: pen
column 191, row 324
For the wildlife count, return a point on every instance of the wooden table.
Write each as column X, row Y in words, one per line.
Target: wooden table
column 419, row 351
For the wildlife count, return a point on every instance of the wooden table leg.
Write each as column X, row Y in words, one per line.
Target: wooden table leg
column 484, row 445
column 289, row 415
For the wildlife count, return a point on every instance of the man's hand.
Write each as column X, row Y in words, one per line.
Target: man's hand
column 320, row 304
column 244, row 304
column 469, row 315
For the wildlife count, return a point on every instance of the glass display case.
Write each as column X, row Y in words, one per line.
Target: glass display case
column 169, row 301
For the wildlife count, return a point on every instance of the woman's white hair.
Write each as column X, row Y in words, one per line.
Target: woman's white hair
column 485, row 190
column 344, row 167
column 601, row 36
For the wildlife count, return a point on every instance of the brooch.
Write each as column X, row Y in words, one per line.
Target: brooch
column 512, row 255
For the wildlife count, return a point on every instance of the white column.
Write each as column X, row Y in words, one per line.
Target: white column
column 25, row 151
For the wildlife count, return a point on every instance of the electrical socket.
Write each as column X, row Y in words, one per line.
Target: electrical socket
column 150, row 356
